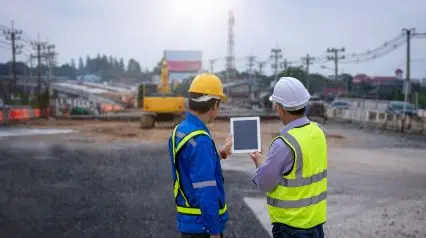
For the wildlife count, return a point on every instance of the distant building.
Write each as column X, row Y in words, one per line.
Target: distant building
column 327, row 92
column 375, row 80
column 385, row 80
column 361, row 78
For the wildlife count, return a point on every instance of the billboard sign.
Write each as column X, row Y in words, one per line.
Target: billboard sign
column 183, row 61
column 184, row 66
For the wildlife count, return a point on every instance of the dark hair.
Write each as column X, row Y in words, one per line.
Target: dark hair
column 201, row 107
column 299, row 112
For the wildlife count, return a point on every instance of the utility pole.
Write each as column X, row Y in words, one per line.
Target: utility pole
column 285, row 64
column 50, row 59
column 275, row 56
column 212, row 62
column 251, row 59
column 13, row 35
column 38, row 47
column 408, row 33
column 335, row 57
column 308, row 61
column 260, row 66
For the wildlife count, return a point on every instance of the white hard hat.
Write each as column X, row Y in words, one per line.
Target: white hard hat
column 290, row 93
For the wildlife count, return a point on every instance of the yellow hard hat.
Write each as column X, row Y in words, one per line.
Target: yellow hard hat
column 208, row 84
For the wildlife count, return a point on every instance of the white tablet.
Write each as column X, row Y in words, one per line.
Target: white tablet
column 246, row 134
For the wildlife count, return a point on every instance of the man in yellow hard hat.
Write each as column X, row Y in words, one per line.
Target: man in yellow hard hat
column 196, row 169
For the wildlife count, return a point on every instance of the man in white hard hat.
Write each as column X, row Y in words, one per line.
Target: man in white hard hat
column 294, row 174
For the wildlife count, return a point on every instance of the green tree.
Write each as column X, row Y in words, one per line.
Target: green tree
column 80, row 65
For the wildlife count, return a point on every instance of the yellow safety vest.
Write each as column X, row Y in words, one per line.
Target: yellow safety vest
column 187, row 209
column 299, row 200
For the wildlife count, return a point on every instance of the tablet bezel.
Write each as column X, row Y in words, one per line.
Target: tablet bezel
column 257, row 119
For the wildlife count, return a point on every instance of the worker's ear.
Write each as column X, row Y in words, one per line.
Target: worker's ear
column 215, row 106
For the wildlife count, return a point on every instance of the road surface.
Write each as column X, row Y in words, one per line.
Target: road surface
column 73, row 185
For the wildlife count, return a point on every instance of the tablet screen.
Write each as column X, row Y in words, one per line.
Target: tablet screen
column 245, row 133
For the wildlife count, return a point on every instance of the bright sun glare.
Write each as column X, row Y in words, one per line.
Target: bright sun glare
column 198, row 7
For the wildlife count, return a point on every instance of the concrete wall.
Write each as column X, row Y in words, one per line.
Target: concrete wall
column 379, row 119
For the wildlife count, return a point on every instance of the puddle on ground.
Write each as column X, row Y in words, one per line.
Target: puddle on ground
column 8, row 132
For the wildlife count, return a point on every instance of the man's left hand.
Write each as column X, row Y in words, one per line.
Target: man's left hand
column 227, row 147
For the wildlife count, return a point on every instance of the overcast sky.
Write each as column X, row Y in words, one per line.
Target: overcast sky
column 142, row 29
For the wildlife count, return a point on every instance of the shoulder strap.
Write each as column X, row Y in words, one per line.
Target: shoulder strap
column 185, row 139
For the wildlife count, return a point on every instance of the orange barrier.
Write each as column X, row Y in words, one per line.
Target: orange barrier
column 37, row 113
column 116, row 108
column 22, row 114
column 25, row 114
column 106, row 108
column 15, row 114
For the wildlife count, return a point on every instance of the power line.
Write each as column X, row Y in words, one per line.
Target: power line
column 335, row 57
column 419, row 35
column 308, row 61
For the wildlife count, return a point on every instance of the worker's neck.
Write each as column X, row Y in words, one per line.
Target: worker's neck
column 203, row 117
column 291, row 118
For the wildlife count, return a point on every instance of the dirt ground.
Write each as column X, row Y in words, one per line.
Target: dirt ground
column 103, row 131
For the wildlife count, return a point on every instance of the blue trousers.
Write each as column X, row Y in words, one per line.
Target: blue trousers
column 280, row 230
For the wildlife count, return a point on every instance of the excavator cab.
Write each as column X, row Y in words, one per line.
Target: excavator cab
column 159, row 105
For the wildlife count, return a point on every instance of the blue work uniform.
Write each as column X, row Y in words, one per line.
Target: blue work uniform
column 198, row 181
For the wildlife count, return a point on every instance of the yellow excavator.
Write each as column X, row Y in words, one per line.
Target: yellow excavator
column 159, row 105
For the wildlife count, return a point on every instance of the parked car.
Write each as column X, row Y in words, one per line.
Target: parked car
column 340, row 104
column 397, row 107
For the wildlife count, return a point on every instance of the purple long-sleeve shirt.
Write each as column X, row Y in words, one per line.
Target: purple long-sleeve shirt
column 279, row 161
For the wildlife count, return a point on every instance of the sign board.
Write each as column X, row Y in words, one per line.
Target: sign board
column 183, row 60
column 73, row 102
column 246, row 134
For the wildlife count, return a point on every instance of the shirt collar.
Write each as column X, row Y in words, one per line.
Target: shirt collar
column 193, row 119
column 296, row 123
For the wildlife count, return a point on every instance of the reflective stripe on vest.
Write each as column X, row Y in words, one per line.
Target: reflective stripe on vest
column 299, row 180
column 297, row 200
column 177, row 186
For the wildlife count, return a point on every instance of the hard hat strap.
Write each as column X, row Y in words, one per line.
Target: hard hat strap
column 204, row 98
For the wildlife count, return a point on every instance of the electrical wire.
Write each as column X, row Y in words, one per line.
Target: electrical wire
column 377, row 53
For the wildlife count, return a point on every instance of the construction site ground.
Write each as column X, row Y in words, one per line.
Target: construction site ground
column 112, row 179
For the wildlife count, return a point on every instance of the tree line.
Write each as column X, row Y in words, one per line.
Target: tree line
column 106, row 67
